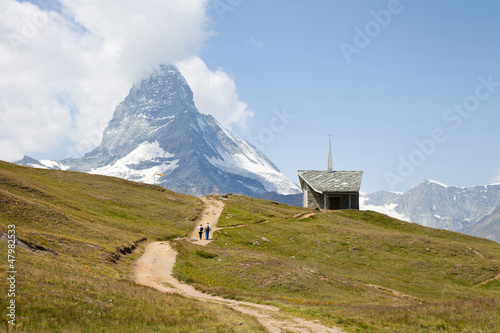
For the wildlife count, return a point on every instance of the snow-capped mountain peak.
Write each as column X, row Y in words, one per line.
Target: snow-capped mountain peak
column 158, row 130
column 434, row 204
column 436, row 182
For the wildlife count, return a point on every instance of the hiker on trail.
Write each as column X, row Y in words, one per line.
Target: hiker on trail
column 207, row 230
column 200, row 231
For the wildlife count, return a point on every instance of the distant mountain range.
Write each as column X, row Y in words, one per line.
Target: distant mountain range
column 487, row 227
column 157, row 130
column 472, row 210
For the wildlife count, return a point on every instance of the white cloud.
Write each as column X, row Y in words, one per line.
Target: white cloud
column 63, row 73
column 215, row 93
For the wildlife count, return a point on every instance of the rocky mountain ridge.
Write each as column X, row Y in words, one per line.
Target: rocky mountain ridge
column 487, row 227
column 436, row 205
column 157, row 135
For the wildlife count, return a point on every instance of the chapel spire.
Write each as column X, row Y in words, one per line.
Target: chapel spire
column 330, row 166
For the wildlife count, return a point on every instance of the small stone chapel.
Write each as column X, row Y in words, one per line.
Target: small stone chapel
column 330, row 189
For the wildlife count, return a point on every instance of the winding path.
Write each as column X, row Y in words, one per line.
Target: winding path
column 154, row 269
column 211, row 213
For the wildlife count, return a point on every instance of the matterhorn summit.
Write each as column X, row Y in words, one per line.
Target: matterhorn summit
column 158, row 136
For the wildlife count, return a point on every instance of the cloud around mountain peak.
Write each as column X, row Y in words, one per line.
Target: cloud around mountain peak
column 66, row 67
column 215, row 93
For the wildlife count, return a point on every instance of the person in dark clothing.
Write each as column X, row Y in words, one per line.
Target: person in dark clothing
column 200, row 231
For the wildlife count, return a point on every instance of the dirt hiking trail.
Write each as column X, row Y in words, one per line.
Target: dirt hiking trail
column 154, row 269
column 211, row 212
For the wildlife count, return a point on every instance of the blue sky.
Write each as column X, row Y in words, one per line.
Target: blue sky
column 409, row 90
column 395, row 90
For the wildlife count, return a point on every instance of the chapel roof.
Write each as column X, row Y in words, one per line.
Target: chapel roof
column 331, row 181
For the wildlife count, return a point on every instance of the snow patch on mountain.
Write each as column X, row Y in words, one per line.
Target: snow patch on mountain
column 251, row 166
column 53, row 165
column 437, row 183
column 142, row 164
column 46, row 164
column 387, row 209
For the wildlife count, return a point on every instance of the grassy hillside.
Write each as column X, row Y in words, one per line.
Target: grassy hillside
column 78, row 237
column 359, row 270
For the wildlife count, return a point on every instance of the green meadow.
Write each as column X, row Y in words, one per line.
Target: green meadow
column 359, row 270
column 79, row 236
